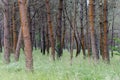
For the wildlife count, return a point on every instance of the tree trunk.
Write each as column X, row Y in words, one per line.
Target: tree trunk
column 17, row 52
column 14, row 29
column 106, row 52
column 26, row 34
column 92, row 31
column 88, row 32
column 82, row 29
column 76, row 33
column 47, row 40
column 1, row 39
column 6, row 33
column 43, row 35
column 101, row 27
column 30, row 22
column 50, row 30
column 59, row 29
column 64, row 29
column 113, row 23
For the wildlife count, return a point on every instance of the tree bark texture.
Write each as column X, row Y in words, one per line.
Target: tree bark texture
column 92, row 31
column 82, row 29
column 101, row 27
column 106, row 52
column 50, row 26
column 59, row 29
column 26, row 34
column 14, row 29
column 17, row 52
column 6, row 33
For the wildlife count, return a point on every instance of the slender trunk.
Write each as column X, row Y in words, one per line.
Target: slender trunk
column 96, row 25
column 71, row 48
column 101, row 27
column 82, row 29
column 113, row 21
column 39, row 41
column 29, row 22
column 106, row 52
column 88, row 32
column 17, row 52
column 43, row 35
column 92, row 31
column 0, row 39
column 76, row 34
column 50, row 30
column 6, row 33
column 59, row 29
column 33, row 34
column 26, row 34
column 73, row 31
column 47, row 40
column 64, row 29
column 14, row 29
column 33, row 28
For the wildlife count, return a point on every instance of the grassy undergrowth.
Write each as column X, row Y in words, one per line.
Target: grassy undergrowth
column 46, row 69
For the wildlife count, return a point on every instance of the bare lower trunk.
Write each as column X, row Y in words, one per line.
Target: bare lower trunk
column 14, row 29
column 47, row 40
column 17, row 52
column 92, row 31
column 50, row 30
column 82, row 29
column 106, row 52
column 26, row 34
column 101, row 28
column 6, row 33
column 59, row 30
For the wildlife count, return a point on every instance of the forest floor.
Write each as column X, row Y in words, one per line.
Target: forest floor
column 46, row 69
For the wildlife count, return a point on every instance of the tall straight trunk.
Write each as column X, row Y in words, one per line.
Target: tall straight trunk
column 26, row 34
column 43, row 35
column 101, row 27
column 6, row 33
column 30, row 22
column 113, row 22
column 82, row 29
column 73, row 31
column 59, row 29
column 71, row 48
column 50, row 30
column 47, row 36
column 92, row 31
column 33, row 27
column 106, row 52
column 88, row 32
column 33, row 34
column 1, row 39
column 71, row 51
column 17, row 52
column 14, row 29
column 64, row 29
column 47, row 39
column 96, row 25
column 11, row 36
column 39, row 41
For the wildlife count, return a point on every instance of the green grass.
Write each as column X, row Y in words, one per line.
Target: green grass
column 46, row 69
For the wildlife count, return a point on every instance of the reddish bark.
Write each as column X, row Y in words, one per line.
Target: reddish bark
column 106, row 52
column 26, row 34
column 50, row 30
column 92, row 31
